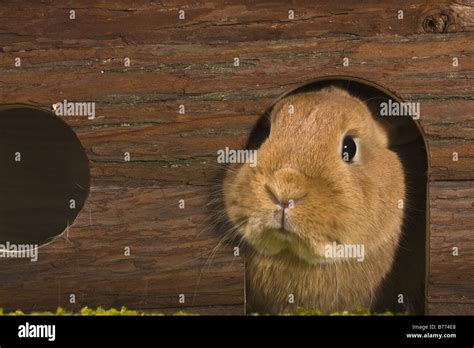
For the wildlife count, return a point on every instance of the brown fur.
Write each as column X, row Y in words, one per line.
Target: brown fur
column 334, row 201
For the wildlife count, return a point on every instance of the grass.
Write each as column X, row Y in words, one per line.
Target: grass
column 86, row 311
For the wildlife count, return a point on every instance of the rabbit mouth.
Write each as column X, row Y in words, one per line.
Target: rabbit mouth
column 281, row 242
column 269, row 238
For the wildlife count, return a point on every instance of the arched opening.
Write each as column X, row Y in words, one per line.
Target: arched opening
column 44, row 176
column 404, row 288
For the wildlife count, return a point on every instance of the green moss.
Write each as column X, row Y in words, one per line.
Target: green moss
column 86, row 311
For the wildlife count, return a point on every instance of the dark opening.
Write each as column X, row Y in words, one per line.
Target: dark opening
column 408, row 274
column 44, row 175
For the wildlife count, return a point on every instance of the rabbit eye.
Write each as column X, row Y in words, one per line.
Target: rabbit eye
column 349, row 149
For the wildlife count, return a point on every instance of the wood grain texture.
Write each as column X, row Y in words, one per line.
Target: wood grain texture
column 47, row 25
column 171, row 253
column 451, row 278
column 137, row 106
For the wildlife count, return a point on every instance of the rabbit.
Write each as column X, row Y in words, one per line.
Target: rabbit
column 325, row 177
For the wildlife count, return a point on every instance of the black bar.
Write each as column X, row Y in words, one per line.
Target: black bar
column 240, row 330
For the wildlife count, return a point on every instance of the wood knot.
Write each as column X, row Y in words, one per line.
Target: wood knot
column 436, row 23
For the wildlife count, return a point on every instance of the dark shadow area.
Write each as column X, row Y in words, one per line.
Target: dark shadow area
column 44, row 175
column 407, row 277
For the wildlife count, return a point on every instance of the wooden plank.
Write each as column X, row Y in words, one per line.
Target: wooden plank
column 442, row 294
column 451, row 309
column 169, row 72
column 172, row 252
column 451, row 278
column 448, row 126
column 138, row 111
column 47, row 25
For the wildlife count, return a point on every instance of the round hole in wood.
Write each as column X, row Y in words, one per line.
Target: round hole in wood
column 44, row 176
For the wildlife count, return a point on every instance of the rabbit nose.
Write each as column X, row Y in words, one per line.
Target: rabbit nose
column 284, row 198
column 281, row 215
column 287, row 184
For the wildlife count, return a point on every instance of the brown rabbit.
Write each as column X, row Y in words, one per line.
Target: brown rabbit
column 324, row 177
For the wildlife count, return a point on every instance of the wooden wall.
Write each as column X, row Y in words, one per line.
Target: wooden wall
column 190, row 62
